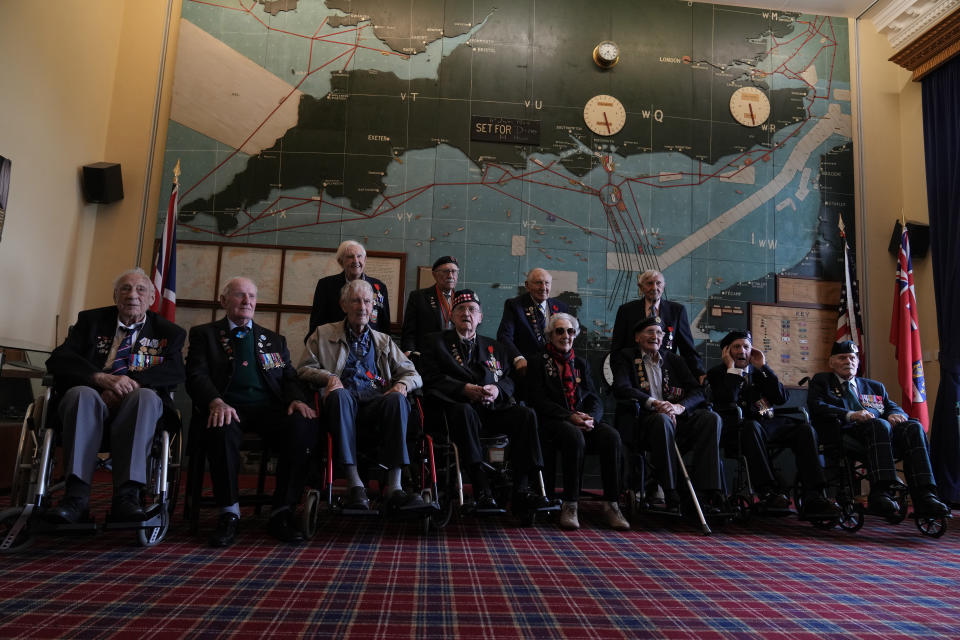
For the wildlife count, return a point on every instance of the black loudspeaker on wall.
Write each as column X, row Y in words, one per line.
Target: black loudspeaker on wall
column 919, row 239
column 102, row 182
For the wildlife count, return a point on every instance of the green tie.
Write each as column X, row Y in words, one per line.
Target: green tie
column 851, row 395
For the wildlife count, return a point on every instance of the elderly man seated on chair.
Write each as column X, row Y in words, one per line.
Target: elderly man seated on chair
column 838, row 399
column 114, row 371
column 745, row 380
column 364, row 380
column 670, row 410
column 469, row 376
column 240, row 378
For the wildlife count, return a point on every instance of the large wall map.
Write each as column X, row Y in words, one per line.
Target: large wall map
column 306, row 123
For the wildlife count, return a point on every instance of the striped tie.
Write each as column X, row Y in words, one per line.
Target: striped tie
column 121, row 360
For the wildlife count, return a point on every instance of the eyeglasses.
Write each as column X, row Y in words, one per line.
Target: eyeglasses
column 447, row 272
column 559, row 331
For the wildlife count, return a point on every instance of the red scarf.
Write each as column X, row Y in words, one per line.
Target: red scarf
column 564, row 363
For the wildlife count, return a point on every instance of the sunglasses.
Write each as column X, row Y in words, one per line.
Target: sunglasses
column 559, row 331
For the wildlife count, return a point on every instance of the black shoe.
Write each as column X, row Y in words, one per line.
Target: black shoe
column 714, row 505
column 527, row 500
column 486, row 501
column 400, row 500
column 881, row 504
column 819, row 508
column 357, row 499
column 71, row 510
column 773, row 502
column 282, row 527
column 926, row 505
column 126, row 508
column 226, row 531
column 671, row 501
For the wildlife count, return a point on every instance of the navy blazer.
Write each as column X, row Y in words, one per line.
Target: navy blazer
column 679, row 386
column 732, row 389
column 326, row 303
column 445, row 374
column 84, row 352
column 424, row 315
column 517, row 325
column 545, row 389
column 211, row 365
column 827, row 404
column 679, row 338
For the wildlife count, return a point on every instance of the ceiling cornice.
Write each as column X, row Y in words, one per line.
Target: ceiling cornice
column 929, row 45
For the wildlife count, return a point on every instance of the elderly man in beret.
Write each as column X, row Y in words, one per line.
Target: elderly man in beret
column 840, row 400
column 469, row 376
column 670, row 409
column 430, row 309
column 745, row 380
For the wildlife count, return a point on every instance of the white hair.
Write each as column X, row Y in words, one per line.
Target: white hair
column 346, row 244
column 131, row 272
column 563, row 316
column 228, row 283
column 351, row 286
column 649, row 273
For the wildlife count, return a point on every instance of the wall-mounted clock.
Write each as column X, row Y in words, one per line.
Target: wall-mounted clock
column 604, row 115
column 750, row 106
column 606, row 54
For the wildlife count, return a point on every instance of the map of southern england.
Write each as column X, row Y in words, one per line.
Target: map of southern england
column 304, row 123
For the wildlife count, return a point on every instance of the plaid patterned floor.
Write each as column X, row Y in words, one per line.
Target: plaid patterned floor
column 490, row 579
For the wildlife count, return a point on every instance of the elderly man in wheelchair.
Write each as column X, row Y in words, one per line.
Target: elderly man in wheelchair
column 841, row 402
column 114, row 373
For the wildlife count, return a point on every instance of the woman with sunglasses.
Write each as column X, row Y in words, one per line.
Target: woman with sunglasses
column 569, row 411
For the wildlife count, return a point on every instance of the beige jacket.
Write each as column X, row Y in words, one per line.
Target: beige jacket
column 327, row 352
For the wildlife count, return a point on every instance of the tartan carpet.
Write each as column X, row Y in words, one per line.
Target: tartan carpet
column 363, row 578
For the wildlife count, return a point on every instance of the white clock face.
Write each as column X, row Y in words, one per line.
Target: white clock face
column 604, row 115
column 749, row 106
column 608, row 52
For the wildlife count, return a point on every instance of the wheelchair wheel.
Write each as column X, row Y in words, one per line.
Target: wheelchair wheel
column 152, row 536
column 933, row 527
column 310, row 517
column 23, row 539
column 851, row 516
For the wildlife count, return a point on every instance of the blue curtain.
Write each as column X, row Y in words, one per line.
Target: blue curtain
column 941, row 138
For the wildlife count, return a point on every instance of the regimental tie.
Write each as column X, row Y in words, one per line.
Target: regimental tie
column 121, row 360
column 850, row 393
column 466, row 350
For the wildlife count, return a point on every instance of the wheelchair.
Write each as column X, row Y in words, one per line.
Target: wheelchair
column 323, row 501
column 641, row 497
column 453, row 500
column 846, row 472
column 34, row 483
column 744, row 494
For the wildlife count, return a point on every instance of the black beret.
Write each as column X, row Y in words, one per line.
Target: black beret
column 847, row 346
column 442, row 260
column 647, row 322
column 735, row 335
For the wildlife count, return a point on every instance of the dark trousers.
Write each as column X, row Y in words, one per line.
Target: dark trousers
column 757, row 435
column 378, row 421
column 698, row 432
column 573, row 442
column 469, row 421
column 291, row 437
column 883, row 440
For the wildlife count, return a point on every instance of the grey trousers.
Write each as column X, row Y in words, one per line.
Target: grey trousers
column 132, row 425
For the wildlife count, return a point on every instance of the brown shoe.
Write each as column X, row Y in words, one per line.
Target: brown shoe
column 568, row 516
column 614, row 518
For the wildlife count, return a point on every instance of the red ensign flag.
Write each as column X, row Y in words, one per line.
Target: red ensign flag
column 905, row 336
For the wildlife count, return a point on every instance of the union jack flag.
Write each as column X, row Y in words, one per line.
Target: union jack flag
column 905, row 336
column 165, row 266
